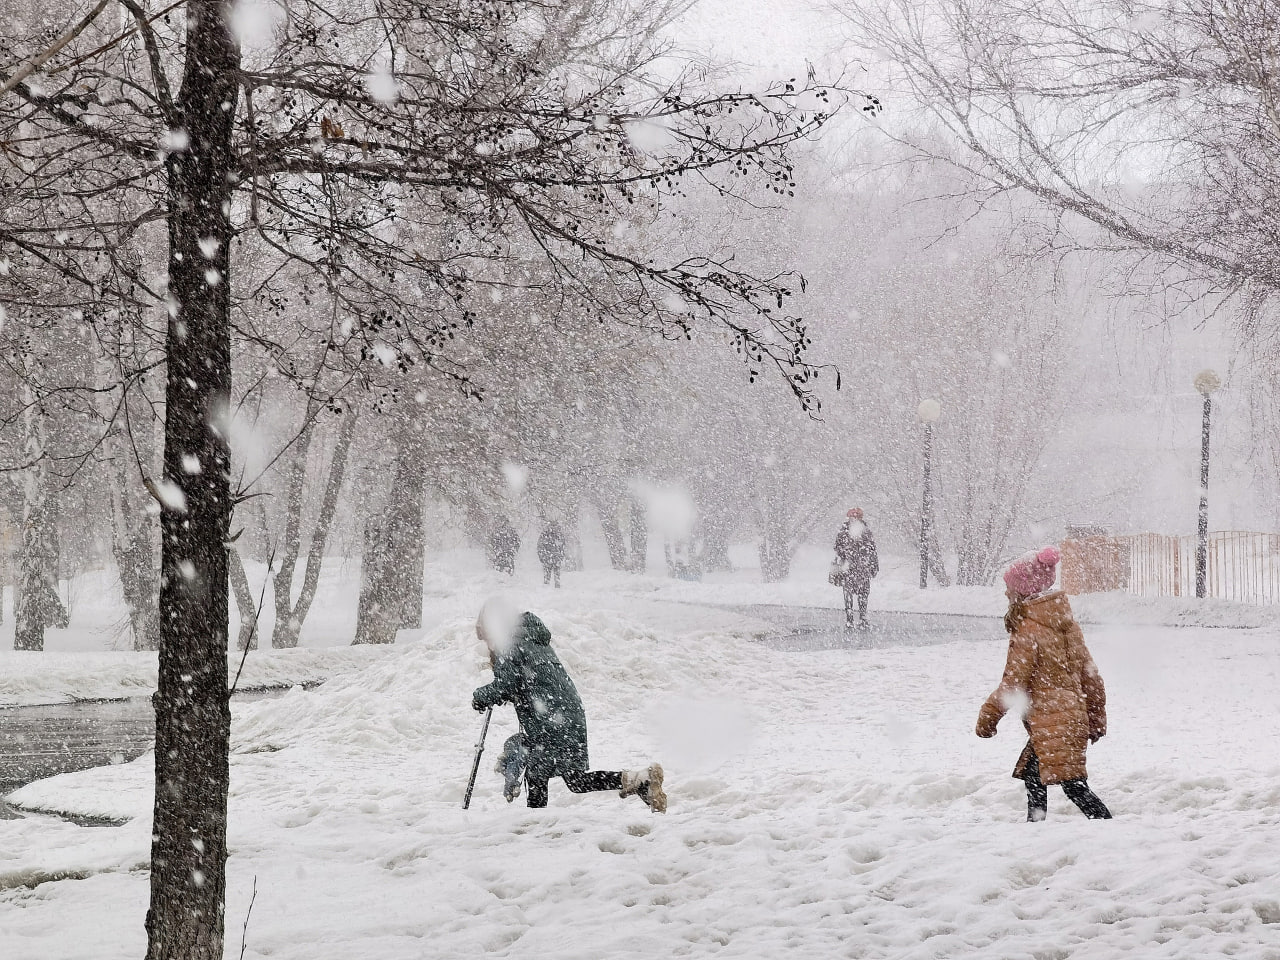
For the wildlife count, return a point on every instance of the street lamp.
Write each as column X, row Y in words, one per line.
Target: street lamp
column 928, row 411
column 1206, row 382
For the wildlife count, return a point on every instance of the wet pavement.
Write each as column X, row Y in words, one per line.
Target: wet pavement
column 41, row 741
column 821, row 628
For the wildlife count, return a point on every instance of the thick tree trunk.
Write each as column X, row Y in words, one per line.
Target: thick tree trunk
column 571, row 524
column 716, row 526
column 288, row 626
column 185, row 920
column 391, row 570
column 133, row 543
column 412, row 572
column 36, row 601
column 775, row 562
column 776, row 552
column 613, row 537
column 374, row 624
column 715, row 550
column 136, row 564
column 972, row 566
column 404, row 527
column 130, row 448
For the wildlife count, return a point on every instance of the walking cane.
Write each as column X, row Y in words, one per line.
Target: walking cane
column 475, row 766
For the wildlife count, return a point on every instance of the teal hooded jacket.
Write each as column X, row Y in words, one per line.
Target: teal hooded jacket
column 531, row 677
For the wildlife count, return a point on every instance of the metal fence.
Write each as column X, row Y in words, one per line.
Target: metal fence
column 1244, row 567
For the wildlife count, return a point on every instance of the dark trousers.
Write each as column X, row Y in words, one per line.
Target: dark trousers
column 859, row 591
column 1077, row 792
column 578, row 781
column 548, row 571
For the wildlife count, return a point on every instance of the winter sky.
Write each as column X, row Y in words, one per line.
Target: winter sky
column 773, row 36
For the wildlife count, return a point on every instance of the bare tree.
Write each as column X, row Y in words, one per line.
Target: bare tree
column 1157, row 122
column 541, row 139
column 291, row 613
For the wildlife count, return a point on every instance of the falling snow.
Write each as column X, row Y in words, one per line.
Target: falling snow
column 700, row 332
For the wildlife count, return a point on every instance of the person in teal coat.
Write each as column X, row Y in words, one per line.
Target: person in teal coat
column 553, row 725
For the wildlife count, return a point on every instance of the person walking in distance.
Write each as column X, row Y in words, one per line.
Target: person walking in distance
column 504, row 544
column 553, row 725
column 858, row 564
column 1050, row 675
column 551, row 552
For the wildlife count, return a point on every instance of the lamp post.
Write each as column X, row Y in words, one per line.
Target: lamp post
column 1206, row 382
column 928, row 411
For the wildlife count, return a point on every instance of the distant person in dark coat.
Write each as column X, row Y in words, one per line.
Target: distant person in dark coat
column 553, row 726
column 504, row 544
column 859, row 563
column 551, row 551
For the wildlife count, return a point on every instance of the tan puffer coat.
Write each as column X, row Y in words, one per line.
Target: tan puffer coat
column 1049, row 669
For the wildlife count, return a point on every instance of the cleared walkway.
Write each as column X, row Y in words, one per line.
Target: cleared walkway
column 822, row 628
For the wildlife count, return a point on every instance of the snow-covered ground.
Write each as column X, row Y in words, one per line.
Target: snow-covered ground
column 823, row 804
column 88, row 660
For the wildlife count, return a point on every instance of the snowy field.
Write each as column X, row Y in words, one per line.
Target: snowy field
column 823, row 804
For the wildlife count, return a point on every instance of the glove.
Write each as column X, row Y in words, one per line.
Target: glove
column 986, row 727
column 476, row 705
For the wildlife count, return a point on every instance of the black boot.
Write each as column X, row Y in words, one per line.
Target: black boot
column 1037, row 802
column 1078, row 792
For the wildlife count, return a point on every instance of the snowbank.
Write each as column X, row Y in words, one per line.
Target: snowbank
column 1171, row 611
column 31, row 678
column 822, row 805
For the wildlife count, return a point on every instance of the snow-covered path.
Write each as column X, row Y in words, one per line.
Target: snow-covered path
column 822, row 804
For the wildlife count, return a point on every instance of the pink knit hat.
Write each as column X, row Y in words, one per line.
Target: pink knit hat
column 1033, row 573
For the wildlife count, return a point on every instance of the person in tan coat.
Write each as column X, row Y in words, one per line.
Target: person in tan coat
column 1051, row 679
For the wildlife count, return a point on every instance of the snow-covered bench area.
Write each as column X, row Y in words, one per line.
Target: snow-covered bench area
column 823, row 804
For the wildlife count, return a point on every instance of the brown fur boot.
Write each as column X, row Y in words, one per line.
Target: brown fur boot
column 647, row 785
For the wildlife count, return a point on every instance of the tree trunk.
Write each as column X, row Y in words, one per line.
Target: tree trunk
column 185, row 920
column 130, row 448
column 775, row 562
column 133, row 542
column 373, row 623
column 776, row 552
column 715, row 550
column 288, row 628
column 391, row 569
column 245, row 604
column 572, row 527
column 936, row 564
column 36, row 601
column 639, row 535
column 613, row 538
column 971, row 568
column 136, row 564
column 408, row 496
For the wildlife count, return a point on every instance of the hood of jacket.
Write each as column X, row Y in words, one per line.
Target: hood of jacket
column 534, row 630
column 1051, row 610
